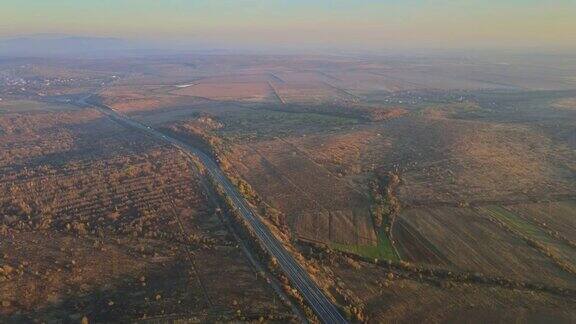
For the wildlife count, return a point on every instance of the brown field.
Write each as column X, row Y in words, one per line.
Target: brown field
column 307, row 93
column 316, row 204
column 566, row 104
column 557, row 216
column 464, row 239
column 235, row 78
column 245, row 91
column 400, row 297
column 303, row 77
column 128, row 98
column 366, row 80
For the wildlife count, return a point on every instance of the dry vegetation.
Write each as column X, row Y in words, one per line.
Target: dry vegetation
column 440, row 160
column 566, row 104
column 102, row 222
column 407, row 295
column 126, row 98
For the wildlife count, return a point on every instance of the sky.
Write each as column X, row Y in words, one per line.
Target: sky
column 328, row 23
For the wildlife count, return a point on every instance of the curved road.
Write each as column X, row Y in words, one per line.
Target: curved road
column 320, row 304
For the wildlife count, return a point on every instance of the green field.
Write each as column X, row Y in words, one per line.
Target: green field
column 384, row 250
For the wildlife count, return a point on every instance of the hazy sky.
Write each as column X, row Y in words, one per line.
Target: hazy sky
column 350, row 23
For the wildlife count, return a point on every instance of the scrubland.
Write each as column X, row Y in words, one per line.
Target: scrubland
column 104, row 223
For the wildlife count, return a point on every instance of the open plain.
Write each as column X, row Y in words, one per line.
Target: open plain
column 411, row 189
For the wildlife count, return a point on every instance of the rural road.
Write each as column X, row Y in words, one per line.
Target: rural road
column 299, row 278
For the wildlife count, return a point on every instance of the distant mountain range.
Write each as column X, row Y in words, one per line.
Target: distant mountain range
column 57, row 45
column 60, row 45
